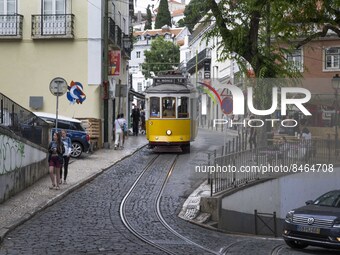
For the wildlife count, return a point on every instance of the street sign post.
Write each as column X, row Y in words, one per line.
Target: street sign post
column 58, row 87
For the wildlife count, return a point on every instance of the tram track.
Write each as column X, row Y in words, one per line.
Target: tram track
column 277, row 249
column 176, row 239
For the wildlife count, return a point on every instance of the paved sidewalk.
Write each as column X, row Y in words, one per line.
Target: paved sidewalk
column 27, row 203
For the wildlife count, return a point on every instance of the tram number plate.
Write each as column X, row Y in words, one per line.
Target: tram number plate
column 308, row 229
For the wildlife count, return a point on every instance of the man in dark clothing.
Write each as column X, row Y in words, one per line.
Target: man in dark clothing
column 135, row 120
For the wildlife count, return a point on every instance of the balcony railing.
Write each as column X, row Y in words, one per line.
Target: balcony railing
column 11, row 26
column 119, row 34
column 112, row 31
column 203, row 55
column 52, row 26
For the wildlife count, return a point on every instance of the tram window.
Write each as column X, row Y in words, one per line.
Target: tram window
column 154, row 107
column 183, row 107
column 169, row 107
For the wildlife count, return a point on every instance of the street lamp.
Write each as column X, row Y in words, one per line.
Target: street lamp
column 336, row 86
column 127, row 42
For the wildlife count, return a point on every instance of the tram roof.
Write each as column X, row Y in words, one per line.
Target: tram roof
column 170, row 88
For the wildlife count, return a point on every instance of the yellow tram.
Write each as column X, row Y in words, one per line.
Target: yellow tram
column 171, row 111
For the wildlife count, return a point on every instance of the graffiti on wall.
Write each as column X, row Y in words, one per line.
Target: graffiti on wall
column 15, row 154
column 12, row 153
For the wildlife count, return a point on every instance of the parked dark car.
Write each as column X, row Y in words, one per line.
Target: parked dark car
column 80, row 139
column 316, row 224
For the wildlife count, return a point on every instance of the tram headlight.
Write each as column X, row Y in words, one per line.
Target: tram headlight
column 168, row 132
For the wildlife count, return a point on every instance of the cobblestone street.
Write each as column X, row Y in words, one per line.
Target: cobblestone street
column 87, row 221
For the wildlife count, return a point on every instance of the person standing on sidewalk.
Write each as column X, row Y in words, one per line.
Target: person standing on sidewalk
column 252, row 136
column 119, row 131
column 135, row 120
column 55, row 160
column 68, row 149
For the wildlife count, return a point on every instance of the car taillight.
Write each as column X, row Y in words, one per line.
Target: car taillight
column 87, row 138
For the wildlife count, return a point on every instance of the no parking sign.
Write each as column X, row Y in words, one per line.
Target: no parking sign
column 227, row 105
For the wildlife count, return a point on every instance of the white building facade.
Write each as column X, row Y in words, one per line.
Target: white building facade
column 143, row 43
column 200, row 60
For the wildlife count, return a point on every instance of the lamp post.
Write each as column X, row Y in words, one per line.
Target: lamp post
column 127, row 42
column 336, row 87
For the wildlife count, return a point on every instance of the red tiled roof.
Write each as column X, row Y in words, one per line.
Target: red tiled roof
column 154, row 32
column 178, row 12
column 175, row 2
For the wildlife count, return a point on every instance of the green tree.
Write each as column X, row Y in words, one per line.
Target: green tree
column 193, row 13
column 262, row 32
column 148, row 23
column 163, row 16
column 163, row 55
column 181, row 23
column 249, row 27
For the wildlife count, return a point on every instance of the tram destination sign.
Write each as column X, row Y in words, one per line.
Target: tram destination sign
column 168, row 80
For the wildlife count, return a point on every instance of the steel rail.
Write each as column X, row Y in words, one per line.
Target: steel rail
column 123, row 215
column 158, row 213
column 277, row 249
column 163, row 221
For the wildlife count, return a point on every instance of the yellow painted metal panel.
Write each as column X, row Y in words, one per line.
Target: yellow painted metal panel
column 156, row 130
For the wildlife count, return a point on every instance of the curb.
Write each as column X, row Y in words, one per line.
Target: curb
column 27, row 216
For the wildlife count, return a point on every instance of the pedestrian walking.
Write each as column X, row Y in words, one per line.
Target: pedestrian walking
column 68, row 149
column 283, row 148
column 306, row 137
column 119, row 131
column 252, row 136
column 56, row 150
column 135, row 115
column 142, row 119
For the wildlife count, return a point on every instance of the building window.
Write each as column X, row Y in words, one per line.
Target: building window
column 54, row 7
column 10, row 20
column 332, row 58
column 295, row 60
column 54, row 20
column 7, row 7
column 139, row 87
column 138, row 54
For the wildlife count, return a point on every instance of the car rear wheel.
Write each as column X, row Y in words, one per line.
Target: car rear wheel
column 296, row 244
column 77, row 150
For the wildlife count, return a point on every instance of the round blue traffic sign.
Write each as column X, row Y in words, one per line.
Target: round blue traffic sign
column 227, row 105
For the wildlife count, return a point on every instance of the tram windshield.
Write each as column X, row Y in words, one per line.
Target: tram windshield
column 182, row 103
column 154, row 107
column 169, row 107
